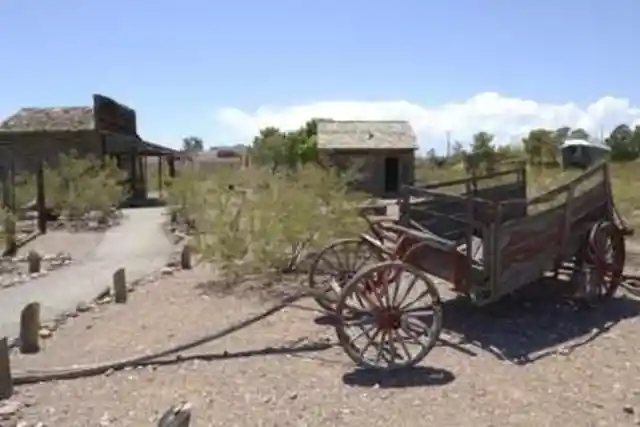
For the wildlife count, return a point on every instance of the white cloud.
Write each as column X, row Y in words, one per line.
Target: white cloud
column 508, row 118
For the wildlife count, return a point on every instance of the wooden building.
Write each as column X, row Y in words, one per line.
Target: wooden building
column 383, row 151
column 107, row 128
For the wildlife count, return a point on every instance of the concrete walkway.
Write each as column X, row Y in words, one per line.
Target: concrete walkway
column 138, row 244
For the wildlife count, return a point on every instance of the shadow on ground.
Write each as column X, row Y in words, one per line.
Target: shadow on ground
column 529, row 325
column 419, row 376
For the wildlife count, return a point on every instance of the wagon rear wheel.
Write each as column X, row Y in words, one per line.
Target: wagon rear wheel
column 336, row 264
column 606, row 255
column 389, row 316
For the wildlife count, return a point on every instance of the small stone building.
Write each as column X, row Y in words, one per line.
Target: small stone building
column 107, row 128
column 215, row 158
column 383, row 151
column 580, row 153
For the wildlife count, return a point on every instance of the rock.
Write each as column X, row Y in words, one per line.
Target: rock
column 82, row 307
column 45, row 333
column 9, row 408
column 628, row 409
column 166, row 271
column 104, row 300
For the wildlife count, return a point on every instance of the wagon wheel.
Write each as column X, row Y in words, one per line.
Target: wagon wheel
column 605, row 252
column 336, row 264
column 390, row 316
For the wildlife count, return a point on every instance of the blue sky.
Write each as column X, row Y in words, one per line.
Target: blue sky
column 220, row 70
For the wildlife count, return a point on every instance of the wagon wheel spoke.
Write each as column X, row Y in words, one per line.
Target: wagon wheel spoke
column 403, row 345
column 426, row 292
column 370, row 342
column 401, row 338
column 382, row 351
column 407, row 292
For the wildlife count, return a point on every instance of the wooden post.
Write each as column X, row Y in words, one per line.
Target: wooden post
column 120, row 286
column 41, row 201
column 6, row 382
column 176, row 416
column 11, row 247
column 172, row 166
column 160, row 161
column 30, row 328
column 34, row 261
column 185, row 258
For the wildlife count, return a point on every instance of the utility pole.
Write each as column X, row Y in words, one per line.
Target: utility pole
column 448, row 144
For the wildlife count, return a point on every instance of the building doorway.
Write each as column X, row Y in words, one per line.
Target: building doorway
column 391, row 175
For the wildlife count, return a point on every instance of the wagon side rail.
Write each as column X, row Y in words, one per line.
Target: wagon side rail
column 526, row 248
column 472, row 181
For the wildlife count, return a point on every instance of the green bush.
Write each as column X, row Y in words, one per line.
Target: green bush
column 253, row 220
column 79, row 185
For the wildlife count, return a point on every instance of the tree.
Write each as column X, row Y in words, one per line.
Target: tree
column 624, row 143
column 278, row 149
column 483, row 153
column 541, row 147
column 192, row 144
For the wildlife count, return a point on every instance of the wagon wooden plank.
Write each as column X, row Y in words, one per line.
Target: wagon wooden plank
column 526, row 248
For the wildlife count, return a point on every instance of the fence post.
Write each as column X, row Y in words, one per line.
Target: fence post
column 120, row 286
column 176, row 416
column 185, row 257
column 30, row 328
column 6, row 382
column 41, row 204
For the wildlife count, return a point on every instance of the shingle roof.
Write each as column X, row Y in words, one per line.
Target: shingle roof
column 376, row 135
column 49, row 119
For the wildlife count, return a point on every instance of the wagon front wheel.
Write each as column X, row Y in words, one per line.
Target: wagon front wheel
column 336, row 264
column 389, row 316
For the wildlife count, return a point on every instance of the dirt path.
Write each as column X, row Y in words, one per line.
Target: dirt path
column 138, row 244
column 537, row 363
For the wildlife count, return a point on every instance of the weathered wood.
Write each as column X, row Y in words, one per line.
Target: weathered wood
column 34, row 262
column 120, row 286
column 176, row 416
column 30, row 328
column 474, row 180
column 6, row 382
column 185, row 258
column 40, row 200
column 530, row 246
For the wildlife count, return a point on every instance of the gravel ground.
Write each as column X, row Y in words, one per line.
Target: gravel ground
column 534, row 362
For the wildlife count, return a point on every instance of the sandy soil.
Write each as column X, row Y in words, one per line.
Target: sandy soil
column 528, row 362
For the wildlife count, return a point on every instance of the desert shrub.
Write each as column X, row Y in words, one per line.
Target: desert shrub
column 79, row 185
column 253, row 220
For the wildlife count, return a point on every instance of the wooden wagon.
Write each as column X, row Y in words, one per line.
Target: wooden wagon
column 487, row 240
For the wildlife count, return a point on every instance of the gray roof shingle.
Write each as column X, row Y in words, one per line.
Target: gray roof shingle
column 49, row 119
column 368, row 135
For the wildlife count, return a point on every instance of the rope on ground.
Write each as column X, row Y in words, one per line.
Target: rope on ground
column 631, row 284
column 32, row 377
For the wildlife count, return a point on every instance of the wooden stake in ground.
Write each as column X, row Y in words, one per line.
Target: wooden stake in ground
column 185, row 258
column 6, row 383
column 120, row 286
column 176, row 416
column 35, row 262
column 40, row 200
column 30, row 328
